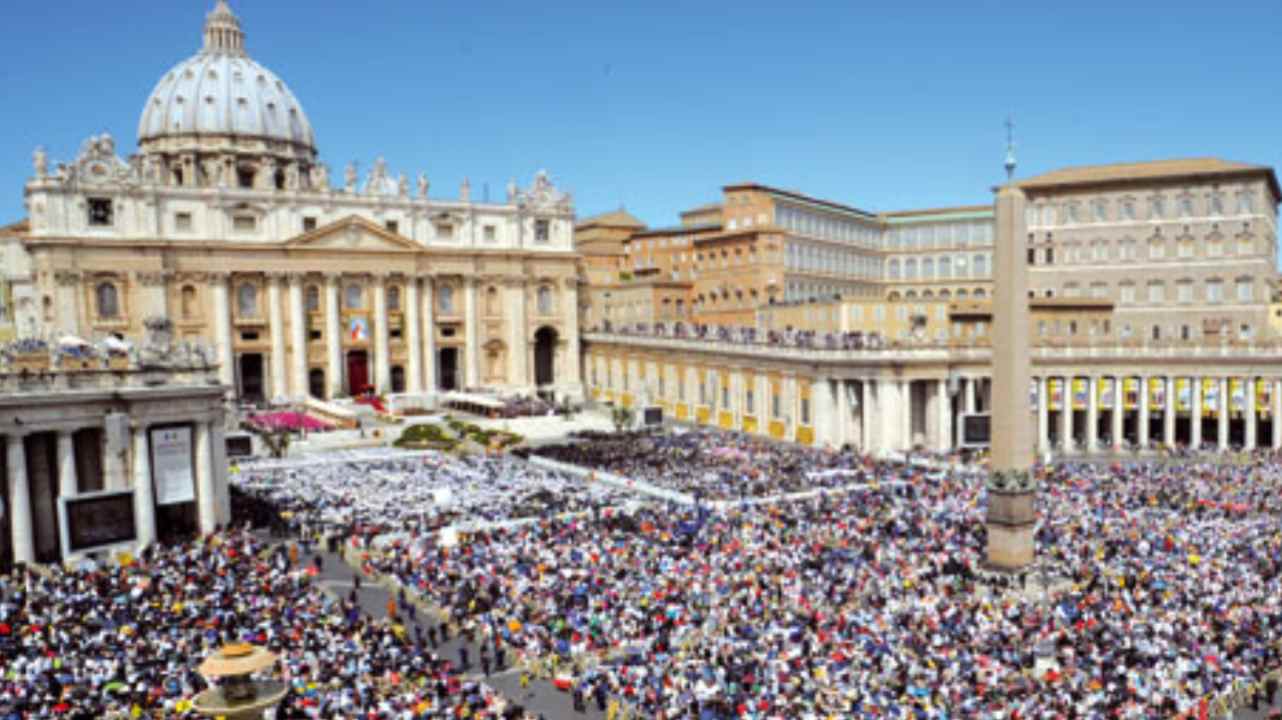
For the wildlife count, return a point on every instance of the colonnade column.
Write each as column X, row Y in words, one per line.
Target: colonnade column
column 428, row 302
column 968, row 386
column 1222, row 415
column 382, row 361
column 22, row 531
column 868, row 420
column 333, row 348
column 1168, row 413
column 1276, row 415
column 906, row 414
column 573, row 373
column 843, row 414
column 518, row 349
column 206, row 502
column 68, row 485
column 222, row 331
column 276, row 317
column 1142, row 432
column 472, row 331
column 144, row 496
column 1066, row 416
column 297, row 338
column 944, row 434
column 1119, row 413
column 414, row 337
column 1092, row 414
column 1250, row 414
column 821, row 399
column 1043, row 416
column 1195, row 423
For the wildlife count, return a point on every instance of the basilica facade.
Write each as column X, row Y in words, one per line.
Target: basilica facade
column 227, row 222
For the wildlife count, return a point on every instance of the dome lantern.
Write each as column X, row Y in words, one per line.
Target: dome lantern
column 222, row 31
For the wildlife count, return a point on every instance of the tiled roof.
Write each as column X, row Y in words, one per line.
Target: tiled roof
column 1152, row 170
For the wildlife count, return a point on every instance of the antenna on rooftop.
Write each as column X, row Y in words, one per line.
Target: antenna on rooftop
column 1010, row 148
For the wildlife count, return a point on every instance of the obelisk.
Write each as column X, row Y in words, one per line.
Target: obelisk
column 1012, row 490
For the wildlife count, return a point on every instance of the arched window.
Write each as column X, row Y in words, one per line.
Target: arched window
column 545, row 300
column 892, row 272
column 313, row 298
column 394, row 298
column 188, row 302
column 445, row 299
column 108, row 300
column 247, row 300
column 352, row 297
column 910, row 269
column 979, row 267
column 928, row 269
column 945, row 267
column 980, row 293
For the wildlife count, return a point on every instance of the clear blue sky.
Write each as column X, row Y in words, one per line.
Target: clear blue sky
column 655, row 105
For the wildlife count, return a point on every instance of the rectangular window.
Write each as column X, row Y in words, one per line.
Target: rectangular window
column 805, row 411
column 1128, row 294
column 490, row 233
column 309, row 224
column 542, row 231
column 1214, row 291
column 1244, row 289
column 1184, row 292
column 725, row 397
column 1156, row 292
column 182, row 222
column 100, row 212
column 775, row 406
column 749, row 404
column 445, row 231
column 392, row 226
column 244, row 223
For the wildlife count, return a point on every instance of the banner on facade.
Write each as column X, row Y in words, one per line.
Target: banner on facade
column 1183, row 396
column 358, row 329
column 1210, row 396
column 1079, row 393
column 1237, row 396
column 1106, row 393
column 1131, row 393
column 1156, row 394
column 1055, row 388
column 171, row 465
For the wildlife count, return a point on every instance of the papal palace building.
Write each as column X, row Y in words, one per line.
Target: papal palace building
column 227, row 222
column 1154, row 316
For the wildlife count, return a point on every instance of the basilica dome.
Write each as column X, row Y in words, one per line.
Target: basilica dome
column 221, row 91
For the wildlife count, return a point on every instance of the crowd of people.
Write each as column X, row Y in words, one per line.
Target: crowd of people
column 411, row 493
column 711, row 464
column 103, row 642
column 1161, row 590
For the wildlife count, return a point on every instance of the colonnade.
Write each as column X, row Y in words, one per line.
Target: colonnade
column 1099, row 413
column 25, row 523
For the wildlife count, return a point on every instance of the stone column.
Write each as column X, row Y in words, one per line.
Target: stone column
column 413, row 337
column 222, row 494
column 222, row 332
column 1043, row 416
column 206, row 474
column 22, row 531
column 115, row 451
column 874, row 424
column 968, row 385
column 298, row 337
column 1251, row 428
column 1092, row 414
column 944, row 433
column 1195, row 421
column 518, row 372
column 382, row 361
column 70, row 290
column 1066, row 416
column 906, row 414
column 428, row 302
column 1168, row 413
column 1142, row 432
column 1119, row 413
column 1276, row 424
column 333, row 337
column 68, row 483
column 276, row 316
column 572, row 376
column 472, row 332
column 1222, row 415
column 155, row 299
column 821, row 402
column 144, row 495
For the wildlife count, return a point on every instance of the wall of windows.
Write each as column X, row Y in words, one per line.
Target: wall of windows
column 833, row 227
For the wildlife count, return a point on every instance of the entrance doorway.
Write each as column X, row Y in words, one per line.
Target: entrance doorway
column 251, row 377
column 42, row 481
column 447, row 368
column 398, row 379
column 357, row 372
column 544, row 356
column 316, row 383
column 6, row 535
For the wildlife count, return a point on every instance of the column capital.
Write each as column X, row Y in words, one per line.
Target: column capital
column 219, row 276
column 16, row 433
column 157, row 278
column 67, row 278
column 331, row 277
column 295, row 277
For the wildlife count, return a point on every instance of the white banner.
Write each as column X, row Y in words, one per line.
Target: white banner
column 171, row 468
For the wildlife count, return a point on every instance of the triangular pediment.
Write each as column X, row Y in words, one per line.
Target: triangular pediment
column 353, row 233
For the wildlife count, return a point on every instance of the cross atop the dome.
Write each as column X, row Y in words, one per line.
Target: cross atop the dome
column 222, row 31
